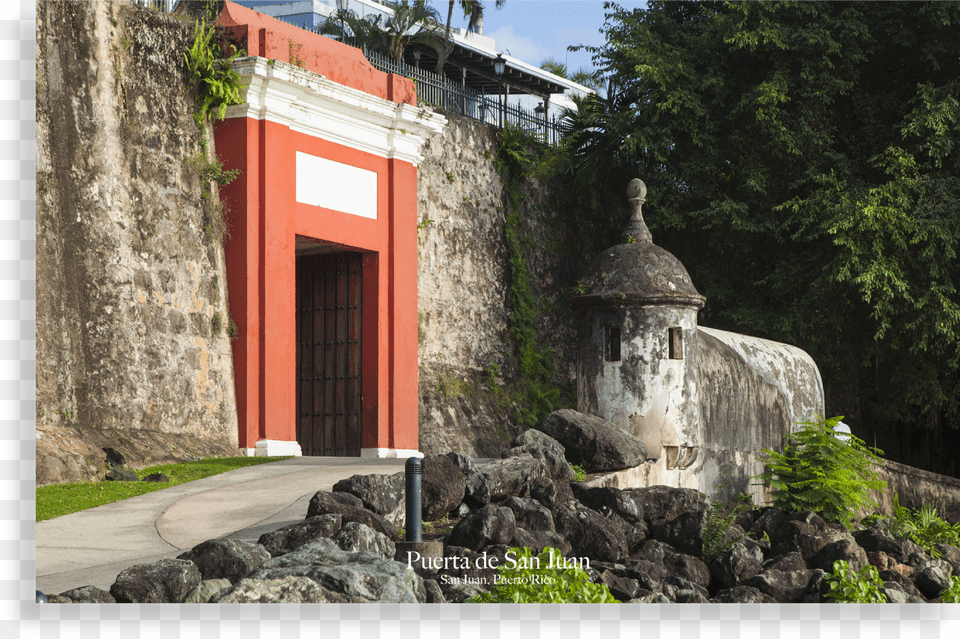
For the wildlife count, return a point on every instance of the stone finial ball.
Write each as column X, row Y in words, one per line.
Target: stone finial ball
column 636, row 189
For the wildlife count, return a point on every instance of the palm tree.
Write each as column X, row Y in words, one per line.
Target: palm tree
column 472, row 9
column 410, row 22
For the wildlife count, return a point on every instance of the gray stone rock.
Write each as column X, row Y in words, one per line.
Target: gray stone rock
column 207, row 590
column 484, row 527
column 592, row 442
column 513, row 476
column 381, row 494
column 665, row 502
column 931, row 581
column 590, row 533
column 905, row 583
column 156, row 477
column 357, row 537
column 622, row 588
column 606, row 500
column 742, row 594
column 735, row 566
column 786, row 563
column 358, row 576
column 843, row 550
column 121, row 474
column 289, row 538
column 287, row 589
column 550, row 493
column 164, row 581
column 114, row 457
column 538, row 540
column 443, row 487
column 876, row 539
column 530, row 514
column 226, row 558
column 476, row 492
column 467, row 566
column 350, row 508
column 684, row 532
column 455, row 591
column 88, row 594
column 545, row 448
column 784, row 587
column 434, row 594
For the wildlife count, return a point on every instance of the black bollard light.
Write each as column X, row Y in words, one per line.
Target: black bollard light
column 414, row 475
column 42, row 598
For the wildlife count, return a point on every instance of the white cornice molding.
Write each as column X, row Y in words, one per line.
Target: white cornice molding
column 309, row 103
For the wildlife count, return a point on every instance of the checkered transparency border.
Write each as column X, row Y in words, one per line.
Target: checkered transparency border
column 19, row 615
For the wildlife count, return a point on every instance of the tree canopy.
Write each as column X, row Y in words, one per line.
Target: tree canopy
column 803, row 161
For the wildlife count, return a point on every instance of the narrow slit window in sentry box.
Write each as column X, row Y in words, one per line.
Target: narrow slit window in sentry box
column 613, row 344
column 676, row 342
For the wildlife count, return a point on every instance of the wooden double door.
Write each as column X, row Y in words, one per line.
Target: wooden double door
column 329, row 312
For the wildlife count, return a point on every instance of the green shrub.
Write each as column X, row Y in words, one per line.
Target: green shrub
column 720, row 518
column 847, row 586
column 952, row 592
column 924, row 527
column 579, row 473
column 819, row 472
column 531, row 579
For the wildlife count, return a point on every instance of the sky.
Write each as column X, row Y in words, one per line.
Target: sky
column 533, row 30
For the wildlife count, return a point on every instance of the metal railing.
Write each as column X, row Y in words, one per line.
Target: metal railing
column 436, row 90
column 160, row 5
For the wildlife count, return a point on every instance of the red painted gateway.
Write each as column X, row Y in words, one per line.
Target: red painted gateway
column 322, row 253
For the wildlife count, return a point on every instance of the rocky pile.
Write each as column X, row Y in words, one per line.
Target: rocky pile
column 645, row 544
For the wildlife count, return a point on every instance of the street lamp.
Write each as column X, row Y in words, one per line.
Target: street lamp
column 499, row 64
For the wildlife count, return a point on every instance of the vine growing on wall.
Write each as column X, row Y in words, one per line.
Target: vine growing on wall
column 536, row 394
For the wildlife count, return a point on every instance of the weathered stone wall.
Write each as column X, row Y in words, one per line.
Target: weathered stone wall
column 915, row 488
column 128, row 283
column 464, row 286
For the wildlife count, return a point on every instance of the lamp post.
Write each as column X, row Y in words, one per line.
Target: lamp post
column 541, row 111
column 499, row 64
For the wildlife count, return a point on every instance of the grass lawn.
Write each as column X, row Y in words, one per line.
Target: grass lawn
column 63, row 499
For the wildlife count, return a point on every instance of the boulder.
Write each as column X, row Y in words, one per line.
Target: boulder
column 207, row 590
column 607, row 500
column 88, row 594
column 684, row 532
column 164, row 581
column 742, row 594
column 664, row 502
column 443, row 487
column 730, row 569
column 358, row 576
column 357, row 537
column 876, row 539
column 512, row 476
column 843, row 550
column 350, row 508
column 538, row 540
column 476, row 492
column 786, row 587
column 798, row 536
column 226, row 558
column 288, row 589
column 592, row 442
column 289, row 538
column 545, row 448
column 463, row 565
column 460, row 592
column 530, row 514
column 931, row 581
column 156, row 477
column 590, row 533
column 550, row 493
column 786, row 563
column 121, row 474
column 384, row 495
column 484, row 527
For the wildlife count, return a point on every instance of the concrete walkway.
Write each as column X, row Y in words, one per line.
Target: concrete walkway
column 92, row 547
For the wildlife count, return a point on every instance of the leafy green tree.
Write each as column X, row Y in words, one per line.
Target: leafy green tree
column 803, row 160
